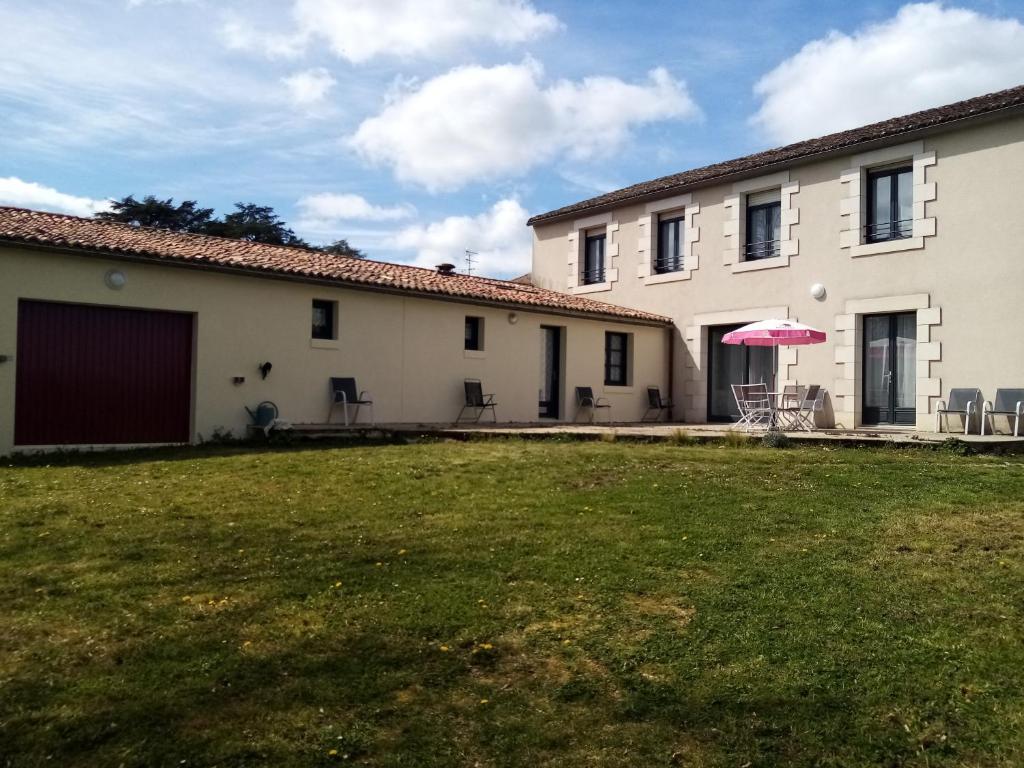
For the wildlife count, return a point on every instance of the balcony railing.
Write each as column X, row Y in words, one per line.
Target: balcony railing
column 888, row 230
column 765, row 249
column 592, row 276
column 668, row 264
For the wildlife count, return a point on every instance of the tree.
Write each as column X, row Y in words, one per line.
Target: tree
column 257, row 224
column 163, row 214
column 341, row 248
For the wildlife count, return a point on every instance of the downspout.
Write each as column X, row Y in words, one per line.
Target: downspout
column 671, row 369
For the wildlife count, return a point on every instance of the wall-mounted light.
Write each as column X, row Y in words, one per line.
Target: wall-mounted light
column 115, row 279
column 513, row 318
column 818, row 291
column 265, row 368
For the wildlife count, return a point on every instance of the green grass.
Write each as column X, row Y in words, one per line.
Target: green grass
column 513, row 604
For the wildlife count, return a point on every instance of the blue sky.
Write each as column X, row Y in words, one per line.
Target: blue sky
column 419, row 128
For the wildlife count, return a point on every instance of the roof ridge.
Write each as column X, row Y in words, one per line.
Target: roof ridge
column 975, row 106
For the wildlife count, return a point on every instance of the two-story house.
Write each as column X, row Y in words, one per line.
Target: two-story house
column 901, row 239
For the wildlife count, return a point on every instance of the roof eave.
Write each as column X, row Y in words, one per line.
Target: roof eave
column 761, row 170
column 333, row 282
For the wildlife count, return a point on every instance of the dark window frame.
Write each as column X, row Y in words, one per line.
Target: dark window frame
column 474, row 336
column 594, row 274
column 667, row 263
column 765, row 249
column 895, row 228
column 328, row 330
column 622, row 365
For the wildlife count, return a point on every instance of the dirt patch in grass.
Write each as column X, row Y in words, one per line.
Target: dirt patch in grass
column 668, row 606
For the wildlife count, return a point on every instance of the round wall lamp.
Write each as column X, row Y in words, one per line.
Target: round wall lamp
column 818, row 291
column 513, row 318
column 115, row 279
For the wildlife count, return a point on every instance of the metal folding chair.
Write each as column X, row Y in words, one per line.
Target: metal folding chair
column 345, row 393
column 477, row 400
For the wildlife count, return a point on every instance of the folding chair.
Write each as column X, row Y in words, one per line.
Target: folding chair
column 477, row 400
column 344, row 393
column 963, row 402
column 585, row 399
column 656, row 404
column 1009, row 402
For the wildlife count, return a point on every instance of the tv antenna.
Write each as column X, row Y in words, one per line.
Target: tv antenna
column 470, row 261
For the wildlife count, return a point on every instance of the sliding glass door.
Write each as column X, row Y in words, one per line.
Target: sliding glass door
column 730, row 364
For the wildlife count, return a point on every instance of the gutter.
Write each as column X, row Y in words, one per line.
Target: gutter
column 334, row 283
column 867, row 144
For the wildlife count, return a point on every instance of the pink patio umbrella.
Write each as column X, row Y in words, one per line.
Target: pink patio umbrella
column 774, row 333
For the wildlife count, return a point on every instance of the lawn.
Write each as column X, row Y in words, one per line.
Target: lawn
column 513, row 603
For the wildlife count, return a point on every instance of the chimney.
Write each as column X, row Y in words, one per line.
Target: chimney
column 446, row 269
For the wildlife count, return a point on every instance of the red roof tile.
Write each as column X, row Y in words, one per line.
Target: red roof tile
column 896, row 127
column 21, row 226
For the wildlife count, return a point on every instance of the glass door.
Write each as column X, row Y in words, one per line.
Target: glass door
column 550, row 371
column 730, row 364
column 890, row 369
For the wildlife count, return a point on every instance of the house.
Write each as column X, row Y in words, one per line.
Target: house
column 118, row 335
column 902, row 239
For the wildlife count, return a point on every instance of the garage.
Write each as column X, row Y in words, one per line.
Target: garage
column 92, row 375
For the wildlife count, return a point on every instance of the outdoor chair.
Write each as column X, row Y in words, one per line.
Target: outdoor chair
column 811, row 403
column 787, row 409
column 585, row 399
column 963, row 402
column 345, row 394
column 477, row 401
column 1009, row 403
column 656, row 404
column 755, row 406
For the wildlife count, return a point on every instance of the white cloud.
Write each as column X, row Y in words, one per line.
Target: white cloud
column 322, row 213
column 361, row 30
column 28, row 194
column 925, row 56
column 478, row 123
column 499, row 236
column 309, row 88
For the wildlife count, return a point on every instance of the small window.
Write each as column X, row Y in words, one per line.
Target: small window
column 323, row 319
column 764, row 220
column 890, row 205
column 593, row 259
column 474, row 333
column 616, row 359
column 670, row 243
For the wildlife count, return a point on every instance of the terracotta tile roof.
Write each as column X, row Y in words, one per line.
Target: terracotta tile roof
column 874, row 133
column 21, row 226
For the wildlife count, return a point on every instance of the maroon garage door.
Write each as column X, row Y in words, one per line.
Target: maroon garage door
column 100, row 375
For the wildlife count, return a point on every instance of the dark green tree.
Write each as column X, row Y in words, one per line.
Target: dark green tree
column 257, row 224
column 163, row 214
column 342, row 248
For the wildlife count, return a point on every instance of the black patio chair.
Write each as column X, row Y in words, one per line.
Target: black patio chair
column 477, row 400
column 345, row 393
column 656, row 404
column 1010, row 403
column 585, row 399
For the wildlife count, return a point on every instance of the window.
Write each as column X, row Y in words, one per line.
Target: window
column 890, row 214
column 764, row 221
column 616, row 360
column 323, row 319
column 474, row 333
column 593, row 260
column 670, row 243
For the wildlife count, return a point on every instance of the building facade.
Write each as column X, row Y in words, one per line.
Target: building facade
column 902, row 240
column 113, row 335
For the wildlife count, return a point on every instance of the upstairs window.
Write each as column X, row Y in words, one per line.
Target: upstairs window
column 323, row 319
column 616, row 359
column 593, row 259
column 474, row 333
column 890, row 214
column 764, row 222
column 670, row 243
